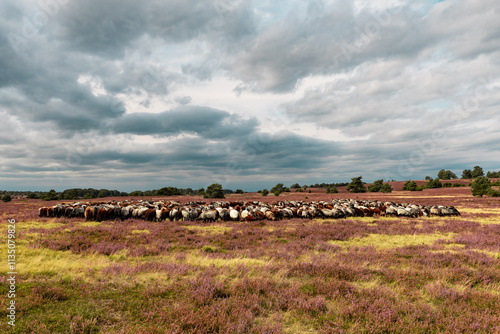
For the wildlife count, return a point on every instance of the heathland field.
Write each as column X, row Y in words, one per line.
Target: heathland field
column 355, row 275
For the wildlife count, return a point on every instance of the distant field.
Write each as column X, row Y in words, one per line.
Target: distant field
column 355, row 275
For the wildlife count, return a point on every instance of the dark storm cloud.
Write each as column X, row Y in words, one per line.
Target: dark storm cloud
column 206, row 122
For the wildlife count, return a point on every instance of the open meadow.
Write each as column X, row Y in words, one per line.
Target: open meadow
column 355, row 275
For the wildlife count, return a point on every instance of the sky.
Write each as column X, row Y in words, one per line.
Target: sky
column 125, row 94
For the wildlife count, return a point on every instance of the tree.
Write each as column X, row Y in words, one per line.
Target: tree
column 480, row 186
column 467, row 174
column 7, row 198
column 214, row 191
column 168, row 191
column 70, row 194
column 277, row 189
column 446, row 175
column 201, row 191
column 239, row 191
column 477, row 172
column 103, row 193
column 356, row 186
column 265, row 192
column 32, row 196
column 493, row 175
column 295, row 186
column 427, row 178
column 50, row 196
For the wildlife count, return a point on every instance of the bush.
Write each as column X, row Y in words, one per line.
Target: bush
column 295, row 186
column 481, row 186
column 32, row 196
column 493, row 193
column 238, row 191
column 447, row 185
column 376, row 186
column 386, row 188
column 410, row 186
column 265, row 192
column 6, row 198
column 356, row 186
column 214, row 191
column 432, row 184
column 299, row 190
column 332, row 190
column 277, row 189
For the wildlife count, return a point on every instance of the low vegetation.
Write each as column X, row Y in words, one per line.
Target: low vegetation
column 356, row 275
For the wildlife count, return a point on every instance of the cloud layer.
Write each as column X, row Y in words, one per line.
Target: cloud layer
column 140, row 95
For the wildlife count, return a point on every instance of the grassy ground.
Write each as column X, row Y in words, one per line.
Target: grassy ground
column 365, row 275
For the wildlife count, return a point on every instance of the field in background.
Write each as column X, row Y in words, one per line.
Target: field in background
column 351, row 275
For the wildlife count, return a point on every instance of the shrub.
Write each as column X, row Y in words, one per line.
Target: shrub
column 332, row 190
column 265, row 192
column 493, row 193
column 447, row 185
column 277, row 189
column 432, row 184
column 410, row 186
column 6, row 198
column 481, row 186
column 386, row 188
column 32, row 196
column 214, row 191
column 356, row 186
column 238, row 191
column 299, row 190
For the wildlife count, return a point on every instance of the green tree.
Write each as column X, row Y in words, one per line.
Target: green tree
column 239, row 191
column 477, row 172
column 277, row 189
column 214, row 191
column 265, row 192
column 136, row 193
column 295, row 186
column 168, row 191
column 493, row 175
column 427, row 178
column 32, row 196
column 446, row 175
column 70, row 194
column 7, row 198
column 103, row 193
column 51, row 195
column 467, row 174
column 356, row 185
column 481, row 186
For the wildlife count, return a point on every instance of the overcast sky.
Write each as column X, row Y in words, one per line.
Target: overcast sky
column 126, row 94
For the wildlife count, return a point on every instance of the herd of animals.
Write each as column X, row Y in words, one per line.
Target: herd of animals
column 239, row 210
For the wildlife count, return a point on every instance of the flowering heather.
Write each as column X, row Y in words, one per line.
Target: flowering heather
column 354, row 275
